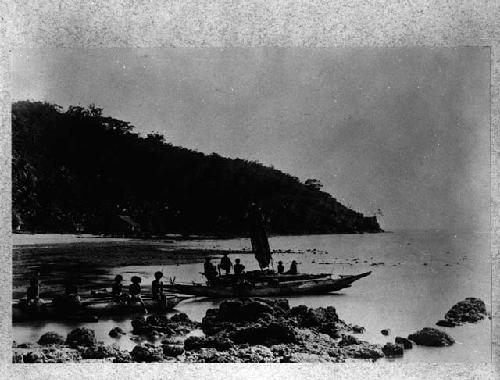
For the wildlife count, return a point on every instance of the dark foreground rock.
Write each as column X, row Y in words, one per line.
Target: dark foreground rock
column 173, row 350
column 101, row 351
column 147, row 353
column 50, row 338
column 267, row 334
column 446, row 323
column 391, row 349
column 406, row 343
column 157, row 326
column 430, row 336
column 116, row 332
column 53, row 355
column 81, row 336
column 218, row 342
column 298, row 334
column 239, row 331
column 470, row 310
column 363, row 351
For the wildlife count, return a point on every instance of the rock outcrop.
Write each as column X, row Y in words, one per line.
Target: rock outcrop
column 173, row 350
column 391, row 349
column 239, row 331
column 406, row 343
column 81, row 336
column 217, row 342
column 147, row 353
column 101, row 351
column 158, row 326
column 50, row 338
column 430, row 336
column 116, row 332
column 470, row 310
column 52, row 355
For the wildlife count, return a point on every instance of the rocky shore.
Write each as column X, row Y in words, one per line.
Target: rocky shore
column 244, row 330
column 470, row 310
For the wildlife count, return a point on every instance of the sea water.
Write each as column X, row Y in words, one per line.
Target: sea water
column 416, row 277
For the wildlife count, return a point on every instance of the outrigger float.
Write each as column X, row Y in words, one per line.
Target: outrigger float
column 91, row 307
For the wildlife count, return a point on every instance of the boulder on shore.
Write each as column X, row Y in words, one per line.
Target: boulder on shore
column 349, row 340
column 60, row 355
column 447, row 323
column 364, row 351
column 116, row 332
column 406, row 343
column 81, row 336
column 156, row 326
column 470, row 310
column 101, row 351
column 51, row 337
column 391, row 349
column 173, row 350
column 147, row 354
column 358, row 329
column 196, row 343
column 430, row 336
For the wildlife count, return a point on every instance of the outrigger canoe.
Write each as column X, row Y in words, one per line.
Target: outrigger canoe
column 269, row 286
column 90, row 308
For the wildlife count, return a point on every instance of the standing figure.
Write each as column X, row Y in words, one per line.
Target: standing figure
column 157, row 290
column 134, row 292
column 210, row 271
column 225, row 264
column 157, row 286
column 117, row 288
column 281, row 268
column 33, row 292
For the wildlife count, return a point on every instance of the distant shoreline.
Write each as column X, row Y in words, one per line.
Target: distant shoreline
column 29, row 239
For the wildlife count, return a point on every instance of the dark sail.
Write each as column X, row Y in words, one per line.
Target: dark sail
column 258, row 236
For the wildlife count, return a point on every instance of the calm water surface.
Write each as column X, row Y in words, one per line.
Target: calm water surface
column 423, row 274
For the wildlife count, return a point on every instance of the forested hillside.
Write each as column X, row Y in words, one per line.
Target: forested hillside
column 77, row 170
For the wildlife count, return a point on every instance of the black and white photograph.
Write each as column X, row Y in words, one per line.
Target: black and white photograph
column 251, row 205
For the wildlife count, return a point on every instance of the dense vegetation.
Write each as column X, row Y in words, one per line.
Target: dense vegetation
column 76, row 169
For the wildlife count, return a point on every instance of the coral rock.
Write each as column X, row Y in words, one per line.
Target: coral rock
column 81, row 336
column 430, row 336
column 391, row 349
column 51, row 338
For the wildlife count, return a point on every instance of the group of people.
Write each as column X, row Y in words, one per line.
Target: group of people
column 71, row 290
column 135, row 291
column 211, row 272
column 71, row 297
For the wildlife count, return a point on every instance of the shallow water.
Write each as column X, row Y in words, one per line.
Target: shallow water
column 423, row 274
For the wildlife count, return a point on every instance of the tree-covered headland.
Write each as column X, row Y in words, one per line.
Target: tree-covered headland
column 76, row 170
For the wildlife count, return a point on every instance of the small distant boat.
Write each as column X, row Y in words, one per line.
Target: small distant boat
column 269, row 286
column 90, row 308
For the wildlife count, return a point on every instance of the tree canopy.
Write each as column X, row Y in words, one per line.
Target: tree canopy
column 77, row 169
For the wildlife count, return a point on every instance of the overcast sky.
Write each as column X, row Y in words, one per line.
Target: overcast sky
column 403, row 130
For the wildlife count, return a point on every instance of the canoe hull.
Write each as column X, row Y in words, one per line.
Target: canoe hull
column 89, row 310
column 288, row 288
